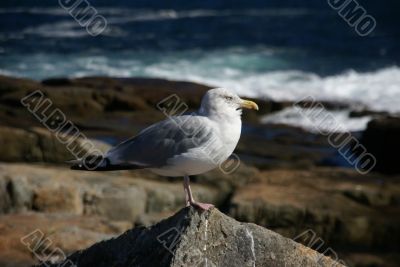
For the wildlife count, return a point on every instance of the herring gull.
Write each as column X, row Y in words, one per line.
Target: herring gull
column 181, row 145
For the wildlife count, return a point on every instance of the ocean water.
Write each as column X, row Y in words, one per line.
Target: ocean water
column 283, row 50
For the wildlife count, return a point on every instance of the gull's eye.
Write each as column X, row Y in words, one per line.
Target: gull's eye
column 228, row 98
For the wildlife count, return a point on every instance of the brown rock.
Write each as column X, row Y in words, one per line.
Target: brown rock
column 114, row 195
column 123, row 203
column 19, row 145
column 291, row 202
column 58, row 199
column 39, row 144
column 57, row 233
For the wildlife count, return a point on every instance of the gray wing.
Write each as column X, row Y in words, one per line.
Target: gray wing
column 155, row 145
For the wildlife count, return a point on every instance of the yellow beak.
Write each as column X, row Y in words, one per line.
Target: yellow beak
column 249, row 104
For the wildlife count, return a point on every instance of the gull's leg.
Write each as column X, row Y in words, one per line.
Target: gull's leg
column 188, row 190
column 185, row 187
column 189, row 196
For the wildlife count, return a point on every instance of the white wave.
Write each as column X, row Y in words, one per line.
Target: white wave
column 379, row 90
column 132, row 15
column 306, row 119
column 115, row 16
column 7, row 73
column 56, row 11
column 69, row 29
column 123, row 15
column 248, row 72
column 206, row 12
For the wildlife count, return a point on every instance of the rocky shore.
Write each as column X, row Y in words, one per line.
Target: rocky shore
column 289, row 180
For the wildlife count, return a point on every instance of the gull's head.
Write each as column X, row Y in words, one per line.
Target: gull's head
column 222, row 100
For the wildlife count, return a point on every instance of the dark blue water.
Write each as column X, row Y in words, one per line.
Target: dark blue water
column 267, row 48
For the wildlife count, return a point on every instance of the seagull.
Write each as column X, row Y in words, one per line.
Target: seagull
column 181, row 146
